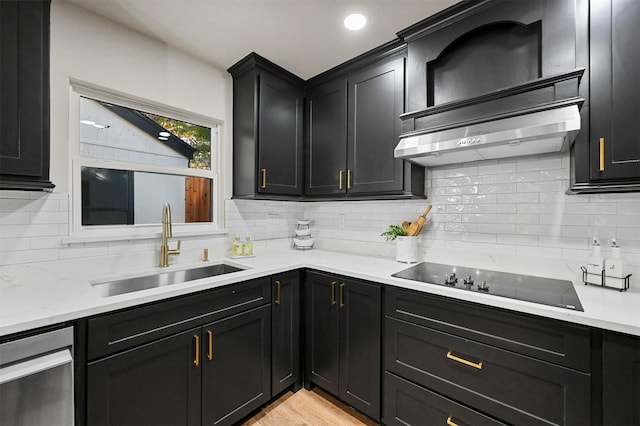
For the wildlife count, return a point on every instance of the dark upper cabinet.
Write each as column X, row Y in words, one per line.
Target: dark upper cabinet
column 285, row 332
column 614, row 142
column 620, row 379
column 353, row 126
column 375, row 100
column 24, row 95
column 326, row 158
column 268, row 104
column 343, row 326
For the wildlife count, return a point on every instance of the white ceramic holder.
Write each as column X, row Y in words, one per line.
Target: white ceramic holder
column 407, row 249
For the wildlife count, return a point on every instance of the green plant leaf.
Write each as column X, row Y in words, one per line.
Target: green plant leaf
column 393, row 232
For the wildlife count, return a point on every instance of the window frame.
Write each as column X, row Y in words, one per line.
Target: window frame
column 80, row 233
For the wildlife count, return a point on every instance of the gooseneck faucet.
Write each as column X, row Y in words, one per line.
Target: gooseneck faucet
column 167, row 232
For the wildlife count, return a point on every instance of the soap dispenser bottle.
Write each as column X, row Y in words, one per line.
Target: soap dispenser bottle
column 595, row 264
column 237, row 249
column 613, row 266
column 248, row 246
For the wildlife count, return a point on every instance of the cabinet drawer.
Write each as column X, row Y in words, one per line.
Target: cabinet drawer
column 409, row 404
column 547, row 339
column 512, row 387
column 118, row 331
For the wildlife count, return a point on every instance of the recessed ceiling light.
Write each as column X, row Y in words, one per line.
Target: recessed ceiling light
column 88, row 122
column 162, row 138
column 165, row 134
column 355, row 21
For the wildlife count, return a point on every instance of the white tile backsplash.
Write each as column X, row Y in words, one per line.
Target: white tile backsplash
column 501, row 207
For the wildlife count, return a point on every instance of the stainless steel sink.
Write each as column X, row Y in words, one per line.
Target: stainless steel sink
column 128, row 285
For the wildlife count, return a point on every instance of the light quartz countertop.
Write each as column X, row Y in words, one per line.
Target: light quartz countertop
column 37, row 295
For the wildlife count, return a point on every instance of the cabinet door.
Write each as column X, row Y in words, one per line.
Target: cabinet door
column 615, row 90
column 376, row 100
column 326, row 160
column 280, row 136
column 235, row 366
column 322, row 330
column 285, row 332
column 621, row 379
column 24, row 103
column 360, row 330
column 154, row 384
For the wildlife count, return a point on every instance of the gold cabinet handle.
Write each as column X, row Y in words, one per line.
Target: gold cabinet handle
column 450, row 421
column 341, row 174
column 264, row 179
column 342, row 295
column 333, row 293
column 464, row 361
column 197, row 360
column 277, row 292
column 602, row 154
column 210, row 351
column 348, row 179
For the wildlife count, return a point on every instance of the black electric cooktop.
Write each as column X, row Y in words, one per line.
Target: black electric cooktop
column 546, row 291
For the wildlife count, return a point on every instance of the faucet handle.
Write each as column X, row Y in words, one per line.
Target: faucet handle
column 178, row 246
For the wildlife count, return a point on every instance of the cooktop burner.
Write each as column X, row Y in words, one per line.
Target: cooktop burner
column 546, row 291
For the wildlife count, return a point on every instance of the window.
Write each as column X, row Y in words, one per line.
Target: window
column 132, row 157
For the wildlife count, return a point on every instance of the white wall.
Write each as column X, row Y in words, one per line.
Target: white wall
column 87, row 47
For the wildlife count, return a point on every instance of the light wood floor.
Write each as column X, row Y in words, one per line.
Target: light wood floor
column 308, row 408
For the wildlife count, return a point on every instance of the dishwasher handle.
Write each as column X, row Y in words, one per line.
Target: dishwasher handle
column 35, row 365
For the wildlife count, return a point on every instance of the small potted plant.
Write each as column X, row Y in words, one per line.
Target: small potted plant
column 406, row 246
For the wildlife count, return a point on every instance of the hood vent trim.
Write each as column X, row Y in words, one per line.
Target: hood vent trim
column 536, row 117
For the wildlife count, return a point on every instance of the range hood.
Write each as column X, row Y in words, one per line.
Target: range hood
column 537, row 117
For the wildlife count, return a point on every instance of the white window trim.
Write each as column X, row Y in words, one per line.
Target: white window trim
column 83, row 234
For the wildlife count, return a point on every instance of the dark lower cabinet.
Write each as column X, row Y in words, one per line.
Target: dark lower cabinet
column 235, row 366
column 406, row 403
column 200, row 359
column 154, row 384
column 24, row 103
column 343, row 326
column 501, row 378
column 620, row 379
column 285, row 332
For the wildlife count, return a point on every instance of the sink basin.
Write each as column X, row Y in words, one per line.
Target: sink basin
column 129, row 285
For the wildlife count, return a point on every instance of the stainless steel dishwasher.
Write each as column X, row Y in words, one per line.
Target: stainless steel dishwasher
column 36, row 380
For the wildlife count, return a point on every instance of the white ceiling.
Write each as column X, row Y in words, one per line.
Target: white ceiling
column 305, row 37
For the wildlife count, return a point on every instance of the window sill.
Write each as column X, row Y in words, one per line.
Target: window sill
column 139, row 236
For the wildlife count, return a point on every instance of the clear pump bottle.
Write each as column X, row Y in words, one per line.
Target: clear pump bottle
column 237, row 249
column 595, row 264
column 613, row 266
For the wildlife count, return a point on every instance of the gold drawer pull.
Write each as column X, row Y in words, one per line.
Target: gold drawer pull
column 349, row 179
column 277, row 292
column 450, row 421
column 264, row 178
column 333, row 293
column 342, row 295
column 341, row 175
column 197, row 360
column 602, row 154
column 210, row 353
column 464, row 361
